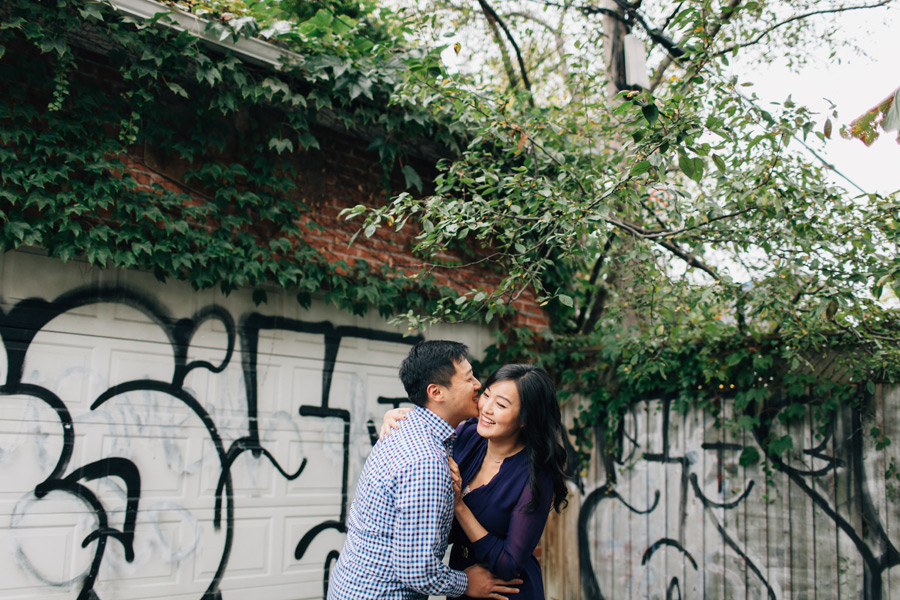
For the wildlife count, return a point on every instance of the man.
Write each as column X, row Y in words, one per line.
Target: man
column 400, row 519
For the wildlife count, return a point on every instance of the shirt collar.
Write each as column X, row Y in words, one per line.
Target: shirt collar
column 437, row 426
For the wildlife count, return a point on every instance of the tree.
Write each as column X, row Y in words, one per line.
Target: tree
column 682, row 242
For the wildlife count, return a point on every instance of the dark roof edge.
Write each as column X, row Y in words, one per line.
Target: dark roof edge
column 250, row 49
column 261, row 53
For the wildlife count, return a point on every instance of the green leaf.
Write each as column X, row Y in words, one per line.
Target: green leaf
column 308, row 141
column 259, row 297
column 566, row 300
column 323, row 18
column 16, row 229
column 686, row 165
column 698, row 167
column 280, row 145
column 639, row 168
column 650, row 112
column 749, row 457
column 781, row 445
column 57, row 45
column 177, row 89
column 720, row 163
column 747, row 422
column 412, row 178
column 91, row 11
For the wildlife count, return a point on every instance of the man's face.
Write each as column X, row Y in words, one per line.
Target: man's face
column 461, row 397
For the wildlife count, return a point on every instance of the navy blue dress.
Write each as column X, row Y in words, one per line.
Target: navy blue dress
column 508, row 548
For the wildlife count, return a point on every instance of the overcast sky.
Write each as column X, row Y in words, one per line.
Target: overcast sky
column 855, row 84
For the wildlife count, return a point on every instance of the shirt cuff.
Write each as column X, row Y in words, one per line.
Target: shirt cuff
column 459, row 581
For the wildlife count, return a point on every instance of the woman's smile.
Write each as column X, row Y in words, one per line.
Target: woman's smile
column 498, row 415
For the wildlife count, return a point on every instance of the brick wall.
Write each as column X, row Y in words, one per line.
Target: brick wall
column 341, row 174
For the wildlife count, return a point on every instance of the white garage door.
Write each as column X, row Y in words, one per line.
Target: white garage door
column 157, row 442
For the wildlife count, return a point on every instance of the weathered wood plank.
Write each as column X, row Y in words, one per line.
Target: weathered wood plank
column 850, row 567
column 709, row 486
column 801, row 511
column 892, row 484
column 677, row 486
column 733, row 518
column 778, row 526
column 755, row 514
column 824, row 540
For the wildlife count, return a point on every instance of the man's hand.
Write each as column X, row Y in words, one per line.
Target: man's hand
column 483, row 584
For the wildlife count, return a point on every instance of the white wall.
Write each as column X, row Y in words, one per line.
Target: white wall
column 119, row 389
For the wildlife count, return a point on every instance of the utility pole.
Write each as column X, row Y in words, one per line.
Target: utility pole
column 625, row 55
column 614, row 48
column 626, row 69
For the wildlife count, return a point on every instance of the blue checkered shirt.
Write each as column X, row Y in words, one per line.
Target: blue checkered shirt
column 400, row 519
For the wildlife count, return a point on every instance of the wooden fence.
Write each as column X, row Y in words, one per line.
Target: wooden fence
column 670, row 512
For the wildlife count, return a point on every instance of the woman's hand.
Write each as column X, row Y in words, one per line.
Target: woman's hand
column 457, row 483
column 392, row 420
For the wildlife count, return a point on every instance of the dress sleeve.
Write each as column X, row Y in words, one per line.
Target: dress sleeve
column 422, row 494
column 505, row 557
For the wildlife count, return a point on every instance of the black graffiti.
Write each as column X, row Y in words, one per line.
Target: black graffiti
column 18, row 329
column 869, row 538
column 874, row 563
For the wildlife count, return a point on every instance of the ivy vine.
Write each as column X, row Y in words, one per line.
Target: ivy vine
column 239, row 132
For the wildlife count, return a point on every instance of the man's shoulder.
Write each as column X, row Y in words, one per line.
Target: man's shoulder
column 412, row 442
column 405, row 452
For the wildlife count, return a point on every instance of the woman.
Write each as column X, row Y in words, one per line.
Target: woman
column 511, row 461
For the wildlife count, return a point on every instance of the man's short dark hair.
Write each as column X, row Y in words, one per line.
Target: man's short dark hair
column 428, row 362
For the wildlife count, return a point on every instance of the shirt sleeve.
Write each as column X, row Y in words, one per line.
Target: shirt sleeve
column 505, row 557
column 423, row 495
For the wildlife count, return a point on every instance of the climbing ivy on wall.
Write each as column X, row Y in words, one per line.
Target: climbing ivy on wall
column 513, row 177
column 240, row 134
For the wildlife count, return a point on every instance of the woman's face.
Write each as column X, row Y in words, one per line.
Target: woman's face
column 498, row 411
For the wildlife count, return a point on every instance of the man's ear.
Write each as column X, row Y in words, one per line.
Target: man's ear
column 434, row 392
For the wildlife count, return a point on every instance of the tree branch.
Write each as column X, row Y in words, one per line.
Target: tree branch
column 813, row 13
column 725, row 16
column 493, row 17
column 504, row 54
column 593, row 303
column 595, row 274
column 672, row 16
column 671, row 247
column 690, row 259
column 557, row 38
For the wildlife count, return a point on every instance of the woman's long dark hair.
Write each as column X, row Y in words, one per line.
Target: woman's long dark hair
column 542, row 428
